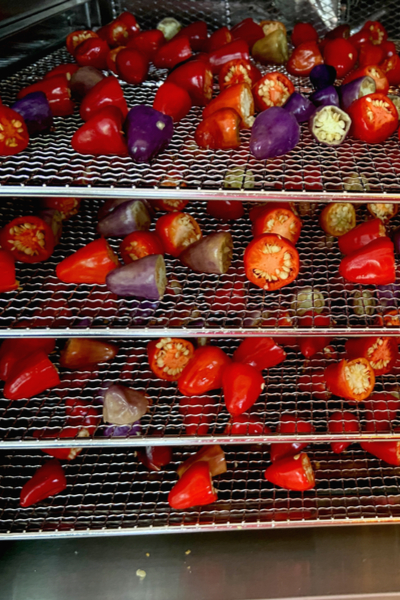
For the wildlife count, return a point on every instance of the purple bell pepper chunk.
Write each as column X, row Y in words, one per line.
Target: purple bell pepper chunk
column 300, row 107
column 356, row 89
column 329, row 125
column 325, row 97
column 322, row 76
column 275, row 132
column 143, row 278
column 35, row 109
column 148, row 132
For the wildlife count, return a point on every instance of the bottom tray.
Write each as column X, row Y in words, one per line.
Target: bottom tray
column 111, row 493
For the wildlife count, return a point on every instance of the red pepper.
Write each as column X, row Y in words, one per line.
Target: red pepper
column 374, row 118
column 92, row 52
column 203, row 372
column 82, row 353
column 391, row 68
column 57, row 92
column 235, row 50
column 132, row 66
column 198, row 413
column 83, row 415
column 112, row 57
column 194, row 488
column 177, row 231
column 381, row 409
column 341, row 31
column 12, row 351
column 169, row 205
column 391, row 318
column 172, row 100
column 389, row 451
column 361, row 235
column 376, row 32
column 246, row 424
column 304, row 58
column 309, row 346
column 8, row 283
column 14, row 136
column 342, row 422
column 117, row 33
column 277, row 218
column 67, row 207
column 67, row 69
column 238, row 71
column 31, row 376
column 268, row 254
column 29, row 239
column 303, row 32
column 155, row 457
column 382, row 352
column 66, row 432
column 196, row 33
column 48, row 480
column 89, row 264
column 353, row 380
column 238, row 97
column 106, row 92
column 376, row 73
column 290, row 423
column 340, row 54
column 220, row 130
column 139, row 244
column 77, row 37
column 389, row 49
column 169, row 356
column 373, row 263
column 131, row 23
column 260, row 353
column 368, row 54
column 196, row 78
column 359, row 38
column 292, row 473
column 242, row 385
column 213, row 455
column 219, row 38
column 272, row 90
column 247, row 30
column 227, row 210
column 101, row 134
column 148, row 42
column 172, row 53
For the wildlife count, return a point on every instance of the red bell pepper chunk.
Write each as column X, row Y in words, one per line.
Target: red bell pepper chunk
column 353, row 380
column 309, row 346
column 172, row 100
column 107, row 92
column 89, row 264
column 31, row 376
column 139, row 244
column 381, row 409
column 198, row 413
column 12, row 351
column 196, row 33
column 303, row 32
column 242, row 385
column 290, row 423
column 132, row 66
column 131, row 23
column 260, row 353
column 203, row 372
column 196, row 78
column 376, row 32
column 147, row 42
column 389, row 451
column 220, row 130
column 155, row 457
column 340, row 54
column 48, row 480
column 373, row 263
column 247, row 30
column 304, row 58
column 172, row 53
column 382, row 352
column 77, row 37
column 292, row 473
column 246, row 424
column 238, row 97
column 342, row 422
column 238, row 71
column 194, row 488
column 169, row 356
column 66, row 432
column 359, row 38
column 67, row 69
column 177, row 231
column 361, row 235
column 219, row 38
column 86, row 353
column 92, row 52
column 57, row 92
column 101, row 134
column 213, row 455
column 235, row 50
column 8, row 283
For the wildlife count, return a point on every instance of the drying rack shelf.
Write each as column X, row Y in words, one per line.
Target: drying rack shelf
column 194, row 304
column 113, row 494
column 49, row 166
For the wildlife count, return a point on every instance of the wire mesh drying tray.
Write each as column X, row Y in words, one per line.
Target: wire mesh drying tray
column 50, row 166
column 28, row 423
column 197, row 305
column 113, row 494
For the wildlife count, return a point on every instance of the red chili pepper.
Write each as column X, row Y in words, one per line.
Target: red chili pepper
column 92, row 52
column 261, row 353
column 341, row 54
column 172, row 100
column 359, row 38
column 341, row 31
column 271, row 261
column 373, row 263
column 82, row 353
column 213, row 455
column 169, row 356
column 77, row 37
column 342, row 422
column 101, row 134
column 242, row 385
column 196, row 33
column 309, row 346
column 112, row 57
column 29, row 239
column 198, row 413
column 277, row 218
column 303, row 32
column 8, row 283
column 117, row 33
column 14, row 136
column 292, row 473
column 219, row 38
column 290, row 423
column 67, row 69
column 391, row 68
column 220, row 130
column 172, row 53
column 203, row 372
column 246, row 424
column 194, row 488
column 148, row 42
column 272, row 90
column 89, row 264
column 368, row 54
column 57, row 92
column 155, row 457
column 304, row 58
column 68, row 207
column 107, row 92
column 238, row 71
column 376, row 73
column 48, row 480
column 389, row 49
column 247, row 30
column 177, row 231
column 66, row 432
column 376, row 32
column 12, row 351
column 361, row 235
column 131, row 23
column 235, row 50
column 139, row 244
column 196, row 78
column 381, row 409
column 382, row 352
column 132, row 66
column 227, row 210
column 31, row 376
column 238, row 97
column 389, row 451
column 353, row 380
column 374, row 118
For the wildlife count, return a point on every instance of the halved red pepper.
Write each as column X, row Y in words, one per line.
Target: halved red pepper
column 172, row 53
column 147, row 42
column 304, row 58
column 57, row 92
column 235, row 50
column 353, row 380
column 172, row 100
column 337, row 218
column 8, row 283
column 89, row 264
column 107, row 92
column 238, row 71
column 67, row 69
column 198, row 412
column 92, row 52
column 132, row 66
column 77, row 37
column 373, row 263
column 213, row 455
column 340, row 54
column 382, row 352
column 242, row 385
column 68, row 207
column 276, row 218
column 14, row 135
column 169, row 356
column 86, row 353
column 219, row 38
column 374, row 118
column 155, row 457
column 303, row 32
column 101, row 134
column 361, row 235
column 48, row 480
column 196, row 78
column 177, row 231
column 260, row 353
column 290, row 423
column 139, row 244
column 373, row 71
column 272, row 90
column 271, row 261
column 292, row 473
column 246, row 424
column 391, row 68
column 112, row 57
column 309, row 346
column 247, row 30
column 29, row 239
column 389, row 451
column 194, row 488
column 381, row 409
column 342, row 422
column 196, row 33
column 376, row 32
column 220, row 130
column 203, row 372
column 238, row 97
column 12, row 351
column 31, row 376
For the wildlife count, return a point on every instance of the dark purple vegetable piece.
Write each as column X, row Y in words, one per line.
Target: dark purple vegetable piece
column 356, row 89
column 131, row 215
column 83, row 80
column 330, row 125
column 35, row 109
column 148, row 132
column 300, row 107
column 275, row 132
column 123, row 430
column 143, row 278
column 389, row 295
column 395, row 235
column 211, row 254
column 322, row 76
column 325, row 97
column 53, row 218
column 123, row 405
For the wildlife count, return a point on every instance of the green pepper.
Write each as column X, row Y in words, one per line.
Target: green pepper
column 271, row 49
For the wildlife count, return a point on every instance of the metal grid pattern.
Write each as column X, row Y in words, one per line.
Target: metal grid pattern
column 193, row 304
column 357, row 12
column 111, row 493
column 26, row 423
column 50, row 166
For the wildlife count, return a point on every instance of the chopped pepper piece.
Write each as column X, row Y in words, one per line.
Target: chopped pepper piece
column 48, row 480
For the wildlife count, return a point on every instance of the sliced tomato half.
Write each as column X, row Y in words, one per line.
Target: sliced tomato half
column 271, row 261
column 29, row 239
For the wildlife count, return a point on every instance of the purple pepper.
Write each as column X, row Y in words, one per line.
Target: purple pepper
column 325, row 97
column 275, row 132
column 148, row 132
column 356, row 89
column 123, row 430
column 35, row 109
column 389, row 295
column 143, row 278
column 131, row 215
column 53, row 218
column 300, row 107
column 211, row 254
column 322, row 76
column 329, row 125
column 84, row 79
